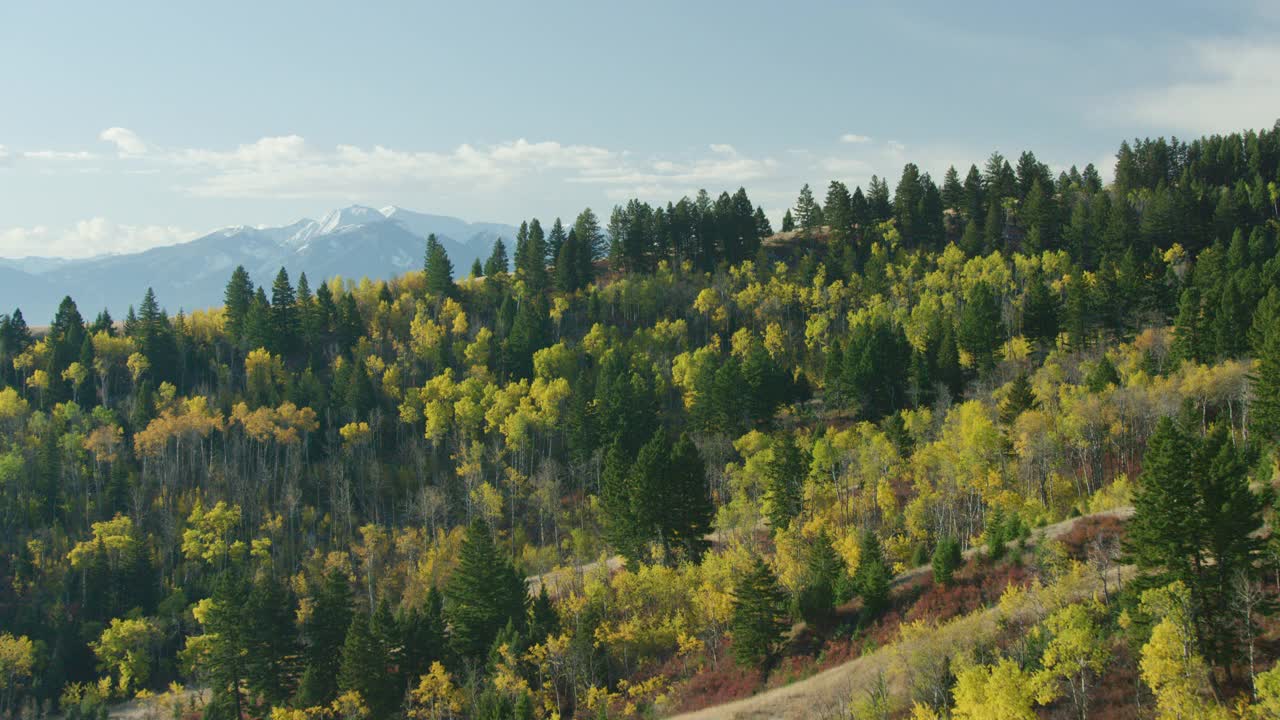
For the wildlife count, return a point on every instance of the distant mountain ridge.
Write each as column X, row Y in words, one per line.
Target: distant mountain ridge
column 353, row 242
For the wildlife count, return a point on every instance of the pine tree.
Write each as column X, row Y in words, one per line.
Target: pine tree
column 824, row 569
column 871, row 578
column 981, row 329
column 1264, row 412
column 476, row 269
column 952, row 190
column 286, row 328
column 947, row 558
column 227, row 652
column 785, row 482
column 1196, row 520
column 568, row 263
column 237, row 299
column 1019, row 399
column 587, row 227
column 497, row 262
column 326, row 632
column 763, row 227
column 620, row 528
column 838, row 212
column 532, row 263
column 437, row 269
column 788, row 221
column 1102, row 374
column 268, row 622
column 808, row 213
column 422, row 635
column 758, row 618
column 690, row 498
column 1040, row 312
column 555, row 239
column 483, row 594
column 365, row 669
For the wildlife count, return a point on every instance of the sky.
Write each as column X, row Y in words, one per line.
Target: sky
column 129, row 125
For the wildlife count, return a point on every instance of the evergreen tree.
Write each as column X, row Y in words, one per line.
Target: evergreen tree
column 1196, row 520
column 1102, row 374
column 438, row 270
column 497, row 262
column 785, row 482
column 788, row 221
column 227, row 654
column 364, row 669
column 483, row 593
column 824, row 569
column 422, row 636
column 569, row 263
column 286, row 328
column 952, row 190
column 476, row 269
column 758, row 618
column 587, row 228
column 872, row 576
column 838, row 212
column 947, row 558
column 981, row 329
column 878, row 202
column 237, row 299
column 1264, row 412
column 325, row 631
column 1039, row 312
column 620, row 527
column 1019, row 399
column 272, row 648
column 808, row 213
column 688, row 498
column 763, row 227
column 555, row 239
column 1190, row 339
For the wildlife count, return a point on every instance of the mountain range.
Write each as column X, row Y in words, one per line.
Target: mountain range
column 353, row 242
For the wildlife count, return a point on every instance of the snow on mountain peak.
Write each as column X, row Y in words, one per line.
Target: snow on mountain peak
column 353, row 215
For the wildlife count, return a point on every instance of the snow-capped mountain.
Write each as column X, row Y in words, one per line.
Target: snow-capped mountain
column 352, row 242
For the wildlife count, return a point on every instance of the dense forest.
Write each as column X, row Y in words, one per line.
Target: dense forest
column 654, row 461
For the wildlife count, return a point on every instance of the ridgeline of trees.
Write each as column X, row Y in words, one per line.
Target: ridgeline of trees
column 325, row 501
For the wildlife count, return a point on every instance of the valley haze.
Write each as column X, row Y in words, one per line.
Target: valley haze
column 353, row 242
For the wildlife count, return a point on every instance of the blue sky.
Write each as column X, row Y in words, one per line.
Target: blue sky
column 153, row 122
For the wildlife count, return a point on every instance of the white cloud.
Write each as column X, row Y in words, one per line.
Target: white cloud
column 57, row 155
column 1223, row 85
column 854, row 139
column 289, row 167
column 127, row 142
column 86, row 238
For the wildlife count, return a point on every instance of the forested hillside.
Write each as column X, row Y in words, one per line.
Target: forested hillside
column 345, row 499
